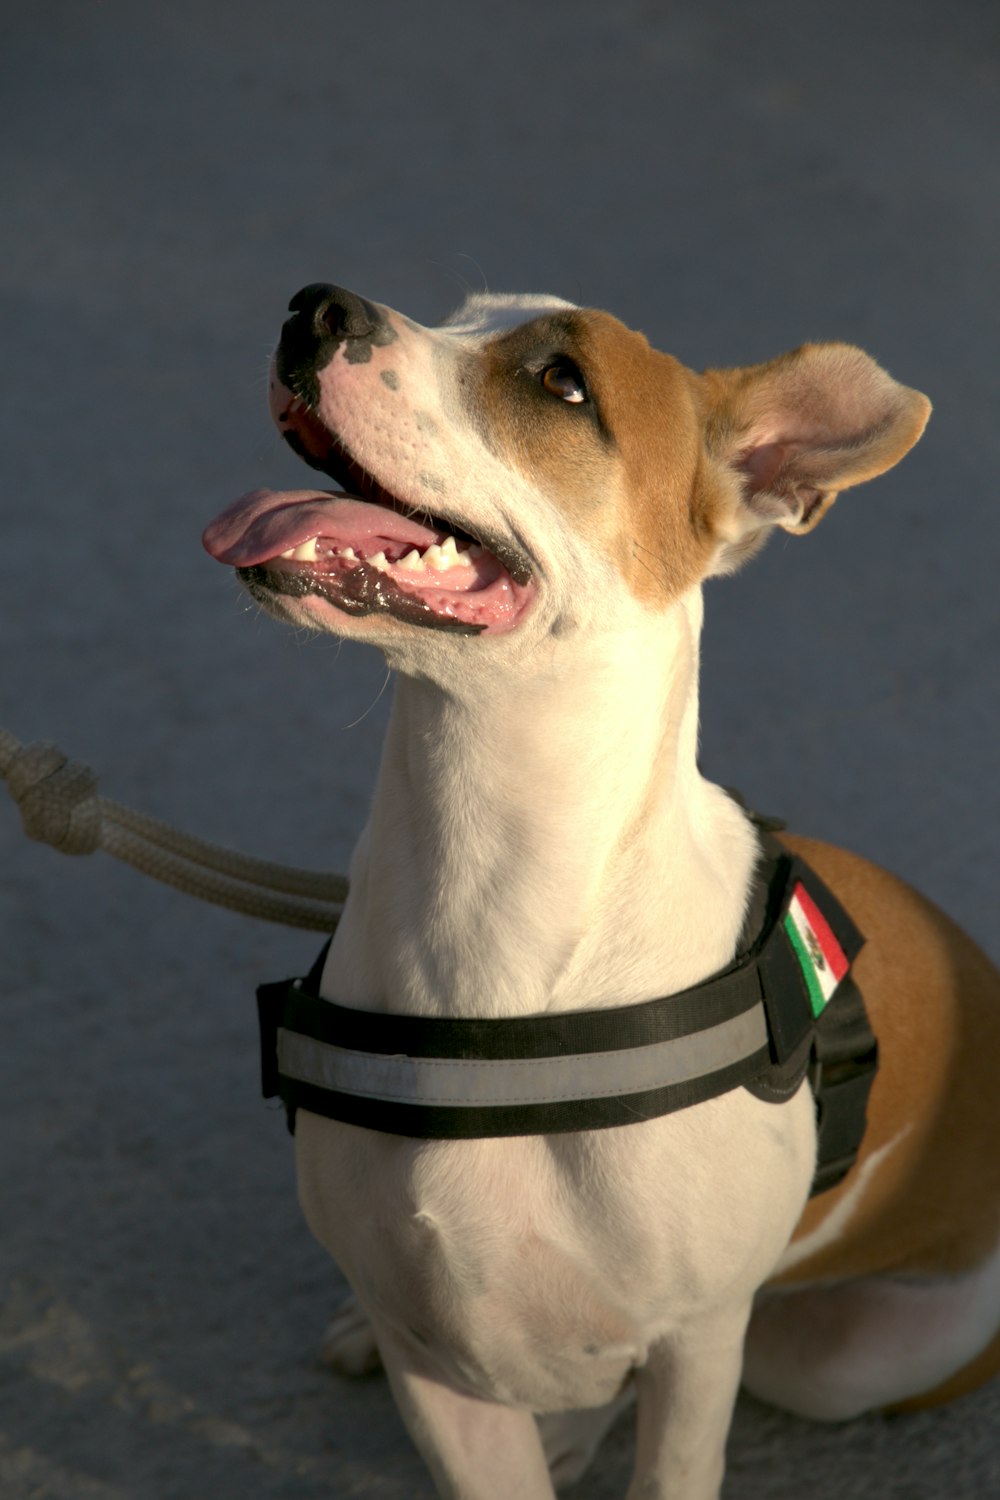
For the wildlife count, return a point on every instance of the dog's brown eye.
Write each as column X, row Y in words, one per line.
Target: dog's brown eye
column 563, row 380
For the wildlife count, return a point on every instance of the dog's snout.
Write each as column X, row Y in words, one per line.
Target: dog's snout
column 324, row 319
column 335, row 312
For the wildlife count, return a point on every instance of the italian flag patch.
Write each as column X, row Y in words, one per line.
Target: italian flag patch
column 820, row 956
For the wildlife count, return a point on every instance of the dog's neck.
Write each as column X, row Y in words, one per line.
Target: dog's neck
column 543, row 839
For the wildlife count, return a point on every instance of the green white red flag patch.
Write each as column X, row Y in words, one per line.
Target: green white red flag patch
column 819, row 954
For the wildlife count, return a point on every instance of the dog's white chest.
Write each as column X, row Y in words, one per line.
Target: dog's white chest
column 473, row 1252
column 537, row 1270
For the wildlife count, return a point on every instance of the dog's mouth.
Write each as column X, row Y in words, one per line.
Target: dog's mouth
column 366, row 551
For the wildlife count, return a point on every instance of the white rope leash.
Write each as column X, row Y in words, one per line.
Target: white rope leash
column 60, row 806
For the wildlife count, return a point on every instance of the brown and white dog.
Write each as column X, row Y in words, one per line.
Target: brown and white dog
column 534, row 497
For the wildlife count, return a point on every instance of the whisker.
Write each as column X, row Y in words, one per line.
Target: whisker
column 385, row 684
column 664, row 575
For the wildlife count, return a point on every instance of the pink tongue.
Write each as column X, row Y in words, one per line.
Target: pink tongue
column 265, row 523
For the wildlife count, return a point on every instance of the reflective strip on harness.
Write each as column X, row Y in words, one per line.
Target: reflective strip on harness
column 786, row 1005
column 479, row 1082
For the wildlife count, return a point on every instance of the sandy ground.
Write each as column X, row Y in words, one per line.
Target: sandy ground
column 732, row 178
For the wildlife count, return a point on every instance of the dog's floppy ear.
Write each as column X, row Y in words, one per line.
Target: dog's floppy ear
column 798, row 430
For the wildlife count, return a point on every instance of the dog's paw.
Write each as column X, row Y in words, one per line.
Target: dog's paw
column 349, row 1345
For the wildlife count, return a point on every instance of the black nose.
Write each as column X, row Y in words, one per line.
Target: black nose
column 325, row 318
column 333, row 311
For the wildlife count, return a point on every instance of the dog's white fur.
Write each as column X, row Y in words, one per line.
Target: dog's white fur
column 541, row 839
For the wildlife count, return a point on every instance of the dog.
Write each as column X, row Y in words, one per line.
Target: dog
column 528, row 499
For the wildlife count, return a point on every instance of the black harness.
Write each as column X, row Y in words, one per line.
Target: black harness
column 785, row 1008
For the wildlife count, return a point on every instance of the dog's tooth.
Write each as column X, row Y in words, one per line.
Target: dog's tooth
column 289, row 553
column 305, row 551
column 350, row 554
column 412, row 562
column 475, row 551
column 379, row 562
column 437, row 558
column 449, row 547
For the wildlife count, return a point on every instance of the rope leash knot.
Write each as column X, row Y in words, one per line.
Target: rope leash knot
column 60, row 806
column 57, row 798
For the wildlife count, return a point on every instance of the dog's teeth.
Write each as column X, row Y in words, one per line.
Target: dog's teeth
column 350, row 554
column 445, row 556
column 475, row 551
column 379, row 562
column 412, row 562
column 304, row 552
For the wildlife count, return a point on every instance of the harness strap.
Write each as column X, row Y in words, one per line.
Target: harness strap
column 758, row 1023
column 441, row 1080
column 842, row 1070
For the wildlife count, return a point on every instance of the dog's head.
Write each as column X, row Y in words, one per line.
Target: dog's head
column 530, row 469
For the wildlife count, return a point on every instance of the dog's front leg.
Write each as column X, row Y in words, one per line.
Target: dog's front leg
column 475, row 1450
column 686, row 1390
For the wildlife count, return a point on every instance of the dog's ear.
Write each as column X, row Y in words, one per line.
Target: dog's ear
column 798, row 430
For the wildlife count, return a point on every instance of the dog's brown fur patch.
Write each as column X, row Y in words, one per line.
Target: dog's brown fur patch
column 626, row 465
column 932, row 1205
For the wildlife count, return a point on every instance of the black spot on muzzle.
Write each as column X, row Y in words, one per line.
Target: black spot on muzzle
column 326, row 318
